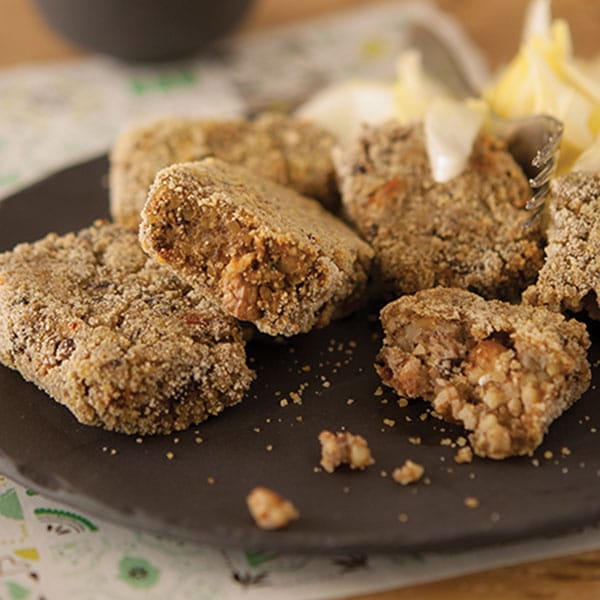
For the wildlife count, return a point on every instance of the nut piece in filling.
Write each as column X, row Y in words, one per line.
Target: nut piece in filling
column 466, row 233
column 116, row 337
column 503, row 371
column 344, row 448
column 270, row 510
column 570, row 277
column 409, row 472
column 262, row 251
column 288, row 151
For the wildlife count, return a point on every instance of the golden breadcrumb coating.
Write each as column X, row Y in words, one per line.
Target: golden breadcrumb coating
column 503, row 371
column 466, row 233
column 265, row 253
column 286, row 150
column 570, row 277
column 116, row 337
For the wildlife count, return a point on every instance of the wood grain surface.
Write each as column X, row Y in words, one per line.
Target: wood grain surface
column 567, row 578
column 494, row 26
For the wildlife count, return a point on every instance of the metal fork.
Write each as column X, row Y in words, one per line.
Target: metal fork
column 533, row 141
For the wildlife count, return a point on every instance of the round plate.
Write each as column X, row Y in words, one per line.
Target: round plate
column 200, row 492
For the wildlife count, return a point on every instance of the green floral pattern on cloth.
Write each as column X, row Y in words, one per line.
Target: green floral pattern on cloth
column 53, row 116
column 16, row 591
column 10, row 507
column 138, row 572
column 55, row 561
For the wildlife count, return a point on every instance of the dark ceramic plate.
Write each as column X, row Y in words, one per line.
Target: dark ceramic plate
column 261, row 442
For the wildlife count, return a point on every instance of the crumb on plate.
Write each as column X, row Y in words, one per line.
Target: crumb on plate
column 409, row 472
column 269, row 509
column 344, row 447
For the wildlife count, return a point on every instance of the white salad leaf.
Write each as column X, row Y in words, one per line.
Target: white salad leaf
column 451, row 127
column 538, row 19
column 544, row 77
column 343, row 107
column 589, row 161
column 415, row 90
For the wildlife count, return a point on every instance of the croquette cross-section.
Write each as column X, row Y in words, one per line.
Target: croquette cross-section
column 116, row 337
column 570, row 277
column 265, row 253
column 283, row 149
column 503, row 371
column 466, row 233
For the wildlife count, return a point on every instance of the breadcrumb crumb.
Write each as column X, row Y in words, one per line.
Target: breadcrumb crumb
column 344, row 447
column 471, row 502
column 269, row 509
column 464, row 455
column 409, row 472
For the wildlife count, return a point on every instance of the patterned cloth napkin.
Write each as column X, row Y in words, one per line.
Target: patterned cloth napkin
column 51, row 551
column 54, row 116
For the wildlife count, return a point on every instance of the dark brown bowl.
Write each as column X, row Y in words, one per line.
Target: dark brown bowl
column 143, row 30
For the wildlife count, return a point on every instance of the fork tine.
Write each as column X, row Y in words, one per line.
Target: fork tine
column 536, row 206
column 545, row 160
column 547, row 150
column 551, row 143
column 532, row 220
column 539, row 196
column 546, row 172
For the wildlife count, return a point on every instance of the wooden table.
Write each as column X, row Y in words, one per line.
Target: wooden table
column 24, row 38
